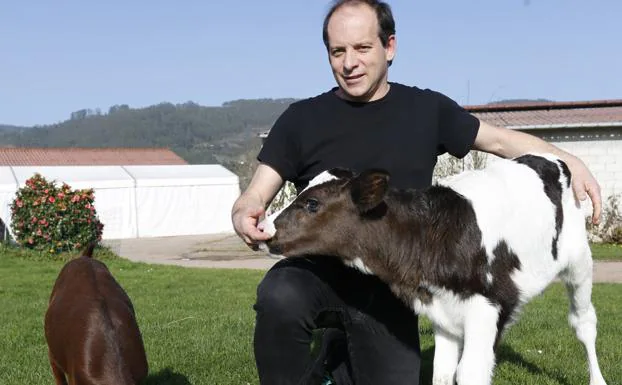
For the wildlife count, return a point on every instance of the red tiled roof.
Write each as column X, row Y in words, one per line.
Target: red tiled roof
column 551, row 114
column 74, row 156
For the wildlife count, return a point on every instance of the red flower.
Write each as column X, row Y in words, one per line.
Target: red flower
column 52, row 199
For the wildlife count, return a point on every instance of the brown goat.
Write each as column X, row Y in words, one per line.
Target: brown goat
column 91, row 329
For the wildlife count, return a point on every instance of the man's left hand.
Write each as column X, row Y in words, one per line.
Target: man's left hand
column 584, row 184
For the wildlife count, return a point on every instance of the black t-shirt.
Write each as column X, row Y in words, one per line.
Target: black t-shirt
column 403, row 133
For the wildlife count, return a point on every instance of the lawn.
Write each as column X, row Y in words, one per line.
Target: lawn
column 606, row 252
column 197, row 326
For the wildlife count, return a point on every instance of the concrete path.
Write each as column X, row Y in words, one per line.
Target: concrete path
column 228, row 251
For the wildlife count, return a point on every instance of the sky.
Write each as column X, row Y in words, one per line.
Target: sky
column 61, row 56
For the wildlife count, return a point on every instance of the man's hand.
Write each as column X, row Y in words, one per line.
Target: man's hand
column 245, row 222
column 250, row 206
column 584, row 184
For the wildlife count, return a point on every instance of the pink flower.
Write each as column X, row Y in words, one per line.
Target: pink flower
column 52, row 199
column 19, row 203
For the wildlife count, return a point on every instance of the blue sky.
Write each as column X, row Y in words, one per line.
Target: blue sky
column 61, row 56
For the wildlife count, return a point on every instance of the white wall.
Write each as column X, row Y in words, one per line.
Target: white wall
column 599, row 148
column 604, row 159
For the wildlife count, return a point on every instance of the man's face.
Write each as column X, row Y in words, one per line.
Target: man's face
column 356, row 54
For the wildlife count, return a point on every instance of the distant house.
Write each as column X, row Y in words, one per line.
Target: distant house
column 591, row 130
column 83, row 156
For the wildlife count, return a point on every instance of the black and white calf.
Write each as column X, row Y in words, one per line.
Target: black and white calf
column 468, row 252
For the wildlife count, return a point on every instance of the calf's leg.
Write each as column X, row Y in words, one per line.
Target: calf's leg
column 480, row 330
column 582, row 316
column 446, row 356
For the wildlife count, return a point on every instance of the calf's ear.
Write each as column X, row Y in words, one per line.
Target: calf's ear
column 368, row 189
column 341, row 172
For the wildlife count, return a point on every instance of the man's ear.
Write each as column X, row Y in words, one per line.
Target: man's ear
column 368, row 189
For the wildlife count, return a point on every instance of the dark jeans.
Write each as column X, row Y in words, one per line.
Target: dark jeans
column 299, row 295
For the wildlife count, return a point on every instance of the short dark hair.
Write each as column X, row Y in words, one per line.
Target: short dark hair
column 386, row 23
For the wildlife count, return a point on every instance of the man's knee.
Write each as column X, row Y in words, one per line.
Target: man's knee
column 285, row 294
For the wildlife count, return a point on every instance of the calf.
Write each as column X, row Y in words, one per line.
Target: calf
column 468, row 253
column 91, row 329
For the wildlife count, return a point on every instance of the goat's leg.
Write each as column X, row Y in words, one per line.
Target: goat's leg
column 57, row 372
column 582, row 316
column 446, row 356
column 480, row 329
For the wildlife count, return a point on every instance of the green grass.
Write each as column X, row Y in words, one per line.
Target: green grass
column 607, row 252
column 197, row 326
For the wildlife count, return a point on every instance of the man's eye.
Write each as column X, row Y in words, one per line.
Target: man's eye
column 312, row 205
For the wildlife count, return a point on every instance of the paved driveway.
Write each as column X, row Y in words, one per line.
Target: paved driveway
column 220, row 251
column 228, row 251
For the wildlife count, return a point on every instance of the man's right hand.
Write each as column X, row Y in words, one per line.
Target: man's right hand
column 245, row 221
column 250, row 206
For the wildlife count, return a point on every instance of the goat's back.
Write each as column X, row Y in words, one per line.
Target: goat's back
column 90, row 325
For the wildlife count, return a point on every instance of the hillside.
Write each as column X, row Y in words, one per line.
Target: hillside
column 227, row 134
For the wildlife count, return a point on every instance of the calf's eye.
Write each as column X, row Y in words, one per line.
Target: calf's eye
column 312, row 205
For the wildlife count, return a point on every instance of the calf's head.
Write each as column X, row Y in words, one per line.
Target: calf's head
column 327, row 217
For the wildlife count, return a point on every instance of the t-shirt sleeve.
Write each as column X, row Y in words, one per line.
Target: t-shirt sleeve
column 281, row 148
column 457, row 127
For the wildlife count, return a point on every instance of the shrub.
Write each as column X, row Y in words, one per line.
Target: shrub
column 54, row 219
column 283, row 197
column 609, row 230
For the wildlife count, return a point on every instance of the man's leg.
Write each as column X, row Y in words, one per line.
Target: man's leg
column 300, row 294
column 289, row 299
column 382, row 333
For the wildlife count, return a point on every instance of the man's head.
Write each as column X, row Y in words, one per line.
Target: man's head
column 360, row 40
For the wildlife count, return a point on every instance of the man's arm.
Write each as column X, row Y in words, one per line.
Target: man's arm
column 252, row 203
column 508, row 143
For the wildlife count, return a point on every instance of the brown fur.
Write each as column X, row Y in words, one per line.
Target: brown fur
column 91, row 329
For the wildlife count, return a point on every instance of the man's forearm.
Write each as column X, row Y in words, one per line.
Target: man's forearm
column 508, row 143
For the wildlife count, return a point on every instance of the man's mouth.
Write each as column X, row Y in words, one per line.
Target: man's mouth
column 352, row 78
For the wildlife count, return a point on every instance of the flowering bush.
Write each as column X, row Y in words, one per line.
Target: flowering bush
column 609, row 230
column 48, row 218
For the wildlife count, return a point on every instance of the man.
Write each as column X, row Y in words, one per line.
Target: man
column 366, row 121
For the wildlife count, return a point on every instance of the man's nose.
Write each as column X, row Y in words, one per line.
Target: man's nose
column 350, row 60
